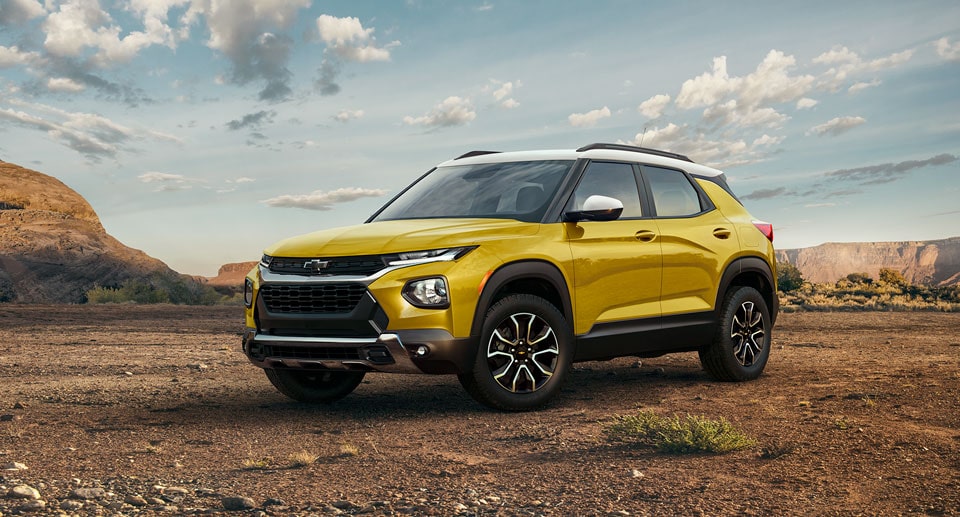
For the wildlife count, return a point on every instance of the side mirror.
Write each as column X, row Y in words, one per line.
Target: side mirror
column 596, row 208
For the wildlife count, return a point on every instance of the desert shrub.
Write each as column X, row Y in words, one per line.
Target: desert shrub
column 676, row 434
column 859, row 278
column 892, row 277
column 157, row 288
column 789, row 277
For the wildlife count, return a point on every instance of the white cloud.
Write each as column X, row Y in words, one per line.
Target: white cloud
column 64, row 84
column 946, row 50
column 510, row 104
column 16, row 11
column 729, row 113
column 859, row 87
column 347, row 115
column 806, row 103
column 721, row 153
column 767, row 140
column 13, row 56
column 771, row 82
column 168, row 182
column 453, row 111
column 590, row 118
column 653, row 107
column 708, row 88
column 242, row 179
column 502, row 91
column 347, row 38
column 847, row 64
column 836, row 126
column 320, row 200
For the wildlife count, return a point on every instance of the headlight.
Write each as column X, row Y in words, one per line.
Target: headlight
column 427, row 293
column 411, row 258
column 248, row 293
column 265, row 261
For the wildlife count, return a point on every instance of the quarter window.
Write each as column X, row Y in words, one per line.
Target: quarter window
column 673, row 195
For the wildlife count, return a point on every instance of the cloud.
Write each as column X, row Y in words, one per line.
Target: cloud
column 502, row 92
column 453, row 111
column 326, row 82
column 946, row 50
column 806, row 103
column 767, row 140
column 320, row 200
column 859, row 87
column 728, row 114
column 819, row 205
column 13, row 56
column 168, row 182
column 64, row 84
column 242, row 179
column 347, row 39
column 653, row 107
column 91, row 135
column 252, row 120
column 250, row 34
column 722, row 152
column 17, row 11
column 766, row 193
column 347, row 115
column 708, row 88
column 590, row 118
column 887, row 172
column 846, row 63
column 483, row 7
column 836, row 126
column 510, row 104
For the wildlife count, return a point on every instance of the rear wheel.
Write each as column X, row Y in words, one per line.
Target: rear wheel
column 525, row 352
column 741, row 345
column 314, row 386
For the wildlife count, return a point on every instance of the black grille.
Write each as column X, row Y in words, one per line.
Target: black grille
column 322, row 353
column 312, row 299
column 337, row 266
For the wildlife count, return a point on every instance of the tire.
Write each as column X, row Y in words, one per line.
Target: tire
column 314, row 386
column 741, row 345
column 525, row 352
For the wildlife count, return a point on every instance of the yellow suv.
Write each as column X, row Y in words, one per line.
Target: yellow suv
column 505, row 268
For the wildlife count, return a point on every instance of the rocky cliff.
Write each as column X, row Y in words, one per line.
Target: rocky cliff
column 53, row 248
column 231, row 275
column 920, row 262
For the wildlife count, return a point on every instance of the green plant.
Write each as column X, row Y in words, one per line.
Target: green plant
column 678, row 434
column 789, row 277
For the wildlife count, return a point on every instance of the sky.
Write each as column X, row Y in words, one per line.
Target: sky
column 202, row 131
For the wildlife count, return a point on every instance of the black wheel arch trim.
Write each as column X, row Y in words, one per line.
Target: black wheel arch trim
column 526, row 269
column 748, row 265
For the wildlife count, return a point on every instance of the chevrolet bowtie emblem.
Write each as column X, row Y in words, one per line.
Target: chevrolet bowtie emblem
column 316, row 264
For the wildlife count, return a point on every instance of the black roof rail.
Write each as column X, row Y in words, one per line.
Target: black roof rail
column 633, row 148
column 475, row 153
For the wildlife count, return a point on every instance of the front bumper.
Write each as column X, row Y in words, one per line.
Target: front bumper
column 391, row 352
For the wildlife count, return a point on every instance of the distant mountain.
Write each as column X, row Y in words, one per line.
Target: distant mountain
column 231, row 275
column 921, row 262
column 53, row 248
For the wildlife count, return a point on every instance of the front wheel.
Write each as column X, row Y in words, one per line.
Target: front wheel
column 741, row 345
column 314, row 386
column 525, row 352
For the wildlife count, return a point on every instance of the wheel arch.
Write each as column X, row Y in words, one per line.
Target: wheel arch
column 751, row 272
column 534, row 277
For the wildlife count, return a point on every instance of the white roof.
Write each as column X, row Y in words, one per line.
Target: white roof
column 592, row 154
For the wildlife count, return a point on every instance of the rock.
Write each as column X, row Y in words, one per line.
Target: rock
column 176, row 490
column 88, row 493
column 8, row 418
column 156, row 501
column 198, row 367
column 23, row 492
column 71, row 506
column 32, row 506
column 343, row 505
column 460, row 507
column 14, row 466
column 19, row 405
column 168, row 509
column 236, row 504
column 274, row 502
column 636, row 474
column 135, row 500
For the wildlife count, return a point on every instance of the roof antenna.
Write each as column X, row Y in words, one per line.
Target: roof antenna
column 642, row 135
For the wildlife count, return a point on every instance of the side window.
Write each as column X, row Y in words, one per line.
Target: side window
column 614, row 180
column 673, row 195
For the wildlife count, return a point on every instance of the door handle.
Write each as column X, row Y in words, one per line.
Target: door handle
column 721, row 233
column 645, row 236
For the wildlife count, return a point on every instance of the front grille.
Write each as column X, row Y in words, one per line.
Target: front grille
column 312, row 298
column 336, row 266
column 321, row 353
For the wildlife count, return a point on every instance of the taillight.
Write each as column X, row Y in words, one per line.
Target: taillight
column 765, row 228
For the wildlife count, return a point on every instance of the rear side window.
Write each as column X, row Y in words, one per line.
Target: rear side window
column 673, row 194
column 610, row 179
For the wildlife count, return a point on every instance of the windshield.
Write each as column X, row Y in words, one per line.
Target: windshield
column 511, row 190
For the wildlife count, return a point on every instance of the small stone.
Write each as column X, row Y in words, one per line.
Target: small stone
column 32, row 506
column 176, row 490
column 198, row 367
column 168, row 509
column 88, row 493
column 493, row 498
column 128, row 374
column 71, row 506
column 460, row 507
column 343, row 505
column 14, row 466
column 19, row 405
column 156, row 501
column 135, row 500
column 8, row 418
column 23, row 492
column 238, row 503
column 274, row 502
column 117, row 505
column 636, row 474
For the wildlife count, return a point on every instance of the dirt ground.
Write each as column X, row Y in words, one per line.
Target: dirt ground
column 153, row 409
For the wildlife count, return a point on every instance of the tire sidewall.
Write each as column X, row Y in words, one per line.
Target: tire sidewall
column 734, row 301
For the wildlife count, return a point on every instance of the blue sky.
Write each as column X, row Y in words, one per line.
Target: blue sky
column 202, row 131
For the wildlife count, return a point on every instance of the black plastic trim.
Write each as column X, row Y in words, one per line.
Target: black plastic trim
column 749, row 265
column 648, row 337
column 475, row 153
column 635, row 149
column 530, row 269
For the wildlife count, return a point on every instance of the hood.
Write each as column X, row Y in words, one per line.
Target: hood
column 399, row 236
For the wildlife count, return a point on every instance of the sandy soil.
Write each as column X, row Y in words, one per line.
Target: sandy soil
column 155, row 410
